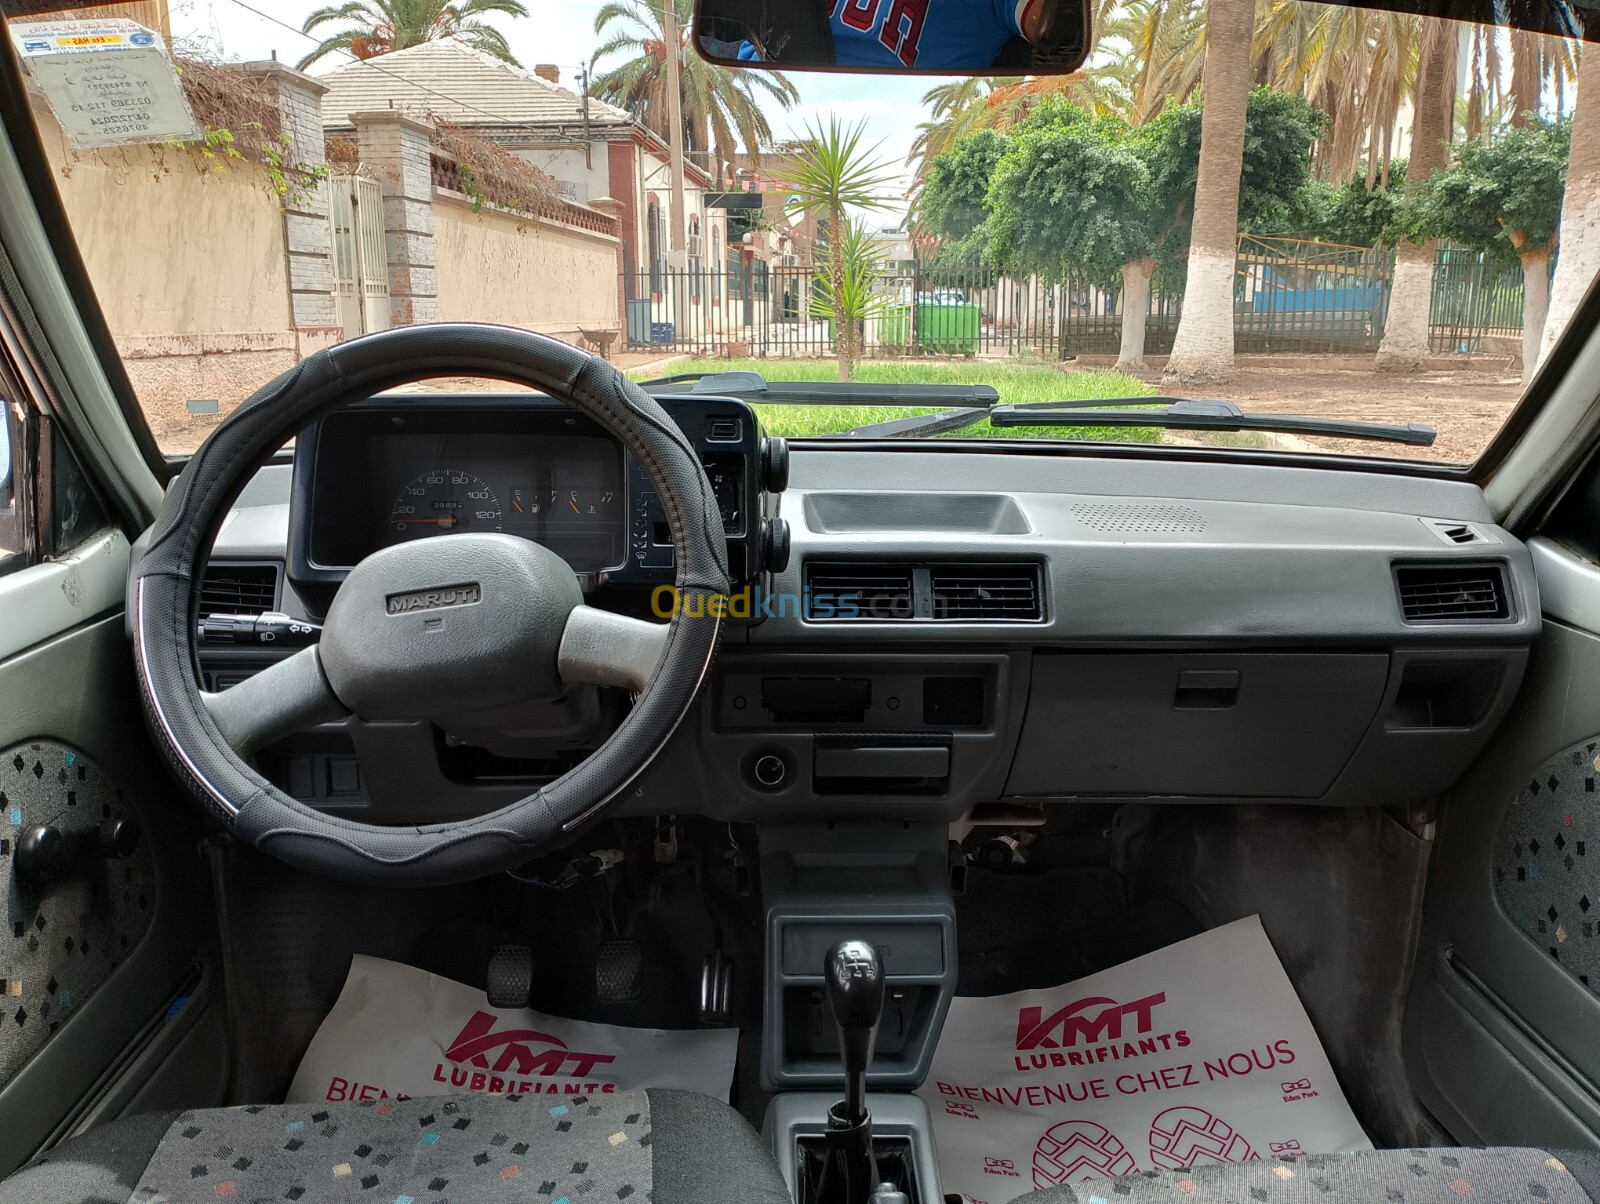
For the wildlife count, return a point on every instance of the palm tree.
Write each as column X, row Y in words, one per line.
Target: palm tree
column 374, row 27
column 1166, row 51
column 1405, row 334
column 721, row 108
column 1580, row 207
column 832, row 173
column 1202, row 349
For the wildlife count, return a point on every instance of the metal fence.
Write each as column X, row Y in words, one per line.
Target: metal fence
column 1290, row 295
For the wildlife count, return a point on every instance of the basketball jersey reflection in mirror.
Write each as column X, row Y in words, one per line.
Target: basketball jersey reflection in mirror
column 895, row 35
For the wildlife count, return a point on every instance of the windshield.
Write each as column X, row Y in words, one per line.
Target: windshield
column 1369, row 220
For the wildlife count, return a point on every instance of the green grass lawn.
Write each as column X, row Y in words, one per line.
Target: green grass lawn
column 1014, row 383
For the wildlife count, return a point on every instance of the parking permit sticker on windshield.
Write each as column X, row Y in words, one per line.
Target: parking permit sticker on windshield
column 107, row 81
column 398, row 1031
column 1197, row 1053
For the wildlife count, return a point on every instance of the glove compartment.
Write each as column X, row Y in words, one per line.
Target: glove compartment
column 1248, row 725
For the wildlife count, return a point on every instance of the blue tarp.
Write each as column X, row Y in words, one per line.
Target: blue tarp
column 1359, row 297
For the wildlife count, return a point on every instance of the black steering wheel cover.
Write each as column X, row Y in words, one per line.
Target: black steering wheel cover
column 196, row 504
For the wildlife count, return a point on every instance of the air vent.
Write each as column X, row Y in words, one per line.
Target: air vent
column 986, row 593
column 940, row 593
column 1142, row 518
column 238, row 589
column 860, row 592
column 1465, row 593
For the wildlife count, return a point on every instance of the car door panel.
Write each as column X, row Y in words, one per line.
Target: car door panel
column 1503, row 1030
column 66, row 703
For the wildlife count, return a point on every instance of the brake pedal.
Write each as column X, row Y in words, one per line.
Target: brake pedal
column 510, row 976
column 618, row 967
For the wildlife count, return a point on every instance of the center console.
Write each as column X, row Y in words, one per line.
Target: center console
column 860, row 969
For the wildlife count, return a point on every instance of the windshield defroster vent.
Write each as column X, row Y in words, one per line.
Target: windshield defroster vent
column 844, row 591
column 238, row 589
column 1464, row 593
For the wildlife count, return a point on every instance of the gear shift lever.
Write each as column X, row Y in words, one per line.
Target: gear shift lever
column 853, row 978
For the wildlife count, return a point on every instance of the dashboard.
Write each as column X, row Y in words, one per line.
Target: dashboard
column 1027, row 627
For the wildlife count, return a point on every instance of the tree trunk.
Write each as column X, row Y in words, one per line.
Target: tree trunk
column 1202, row 351
column 1535, row 305
column 1580, row 208
column 843, row 335
column 1135, row 311
column 1526, row 83
column 1405, row 334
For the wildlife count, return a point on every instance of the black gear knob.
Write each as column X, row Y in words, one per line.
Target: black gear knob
column 853, row 978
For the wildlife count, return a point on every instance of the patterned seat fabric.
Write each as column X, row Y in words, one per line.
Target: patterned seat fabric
column 507, row 1148
column 669, row 1147
column 1431, row 1176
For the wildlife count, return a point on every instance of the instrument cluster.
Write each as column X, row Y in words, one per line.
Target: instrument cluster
column 399, row 468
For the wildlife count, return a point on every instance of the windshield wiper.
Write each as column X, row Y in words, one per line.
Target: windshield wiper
column 752, row 386
column 1180, row 413
column 941, row 423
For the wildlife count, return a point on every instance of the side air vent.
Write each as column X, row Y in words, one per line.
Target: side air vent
column 861, row 592
column 986, row 593
column 238, row 589
column 1465, row 593
column 1453, row 533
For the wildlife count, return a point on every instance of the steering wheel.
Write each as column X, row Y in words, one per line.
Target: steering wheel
column 454, row 622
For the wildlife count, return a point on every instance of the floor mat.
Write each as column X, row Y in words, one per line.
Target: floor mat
column 1199, row 1052
column 1021, row 931
column 398, row 1031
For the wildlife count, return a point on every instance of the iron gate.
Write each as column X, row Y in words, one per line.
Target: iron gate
column 360, row 259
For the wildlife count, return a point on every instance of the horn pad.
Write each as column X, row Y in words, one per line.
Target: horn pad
column 449, row 624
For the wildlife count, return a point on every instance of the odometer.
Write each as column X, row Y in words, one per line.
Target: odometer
column 443, row 500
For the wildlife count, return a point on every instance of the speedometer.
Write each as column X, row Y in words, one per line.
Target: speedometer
column 443, row 500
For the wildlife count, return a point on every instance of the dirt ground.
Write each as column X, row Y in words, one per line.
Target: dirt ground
column 1465, row 405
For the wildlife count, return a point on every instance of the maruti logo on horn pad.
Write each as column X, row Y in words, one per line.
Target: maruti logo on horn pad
column 468, row 594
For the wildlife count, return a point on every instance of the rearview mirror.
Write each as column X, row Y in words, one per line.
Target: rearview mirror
column 925, row 37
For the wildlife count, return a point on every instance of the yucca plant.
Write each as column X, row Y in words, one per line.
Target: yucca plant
column 851, row 297
column 830, row 174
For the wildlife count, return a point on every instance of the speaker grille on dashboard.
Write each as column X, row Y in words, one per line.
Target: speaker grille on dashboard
column 1139, row 517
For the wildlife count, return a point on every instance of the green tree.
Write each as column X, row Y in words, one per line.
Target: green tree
column 950, row 206
column 721, row 108
column 1094, row 198
column 374, row 27
column 1351, row 213
column 831, row 173
column 1071, row 197
column 1504, row 197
